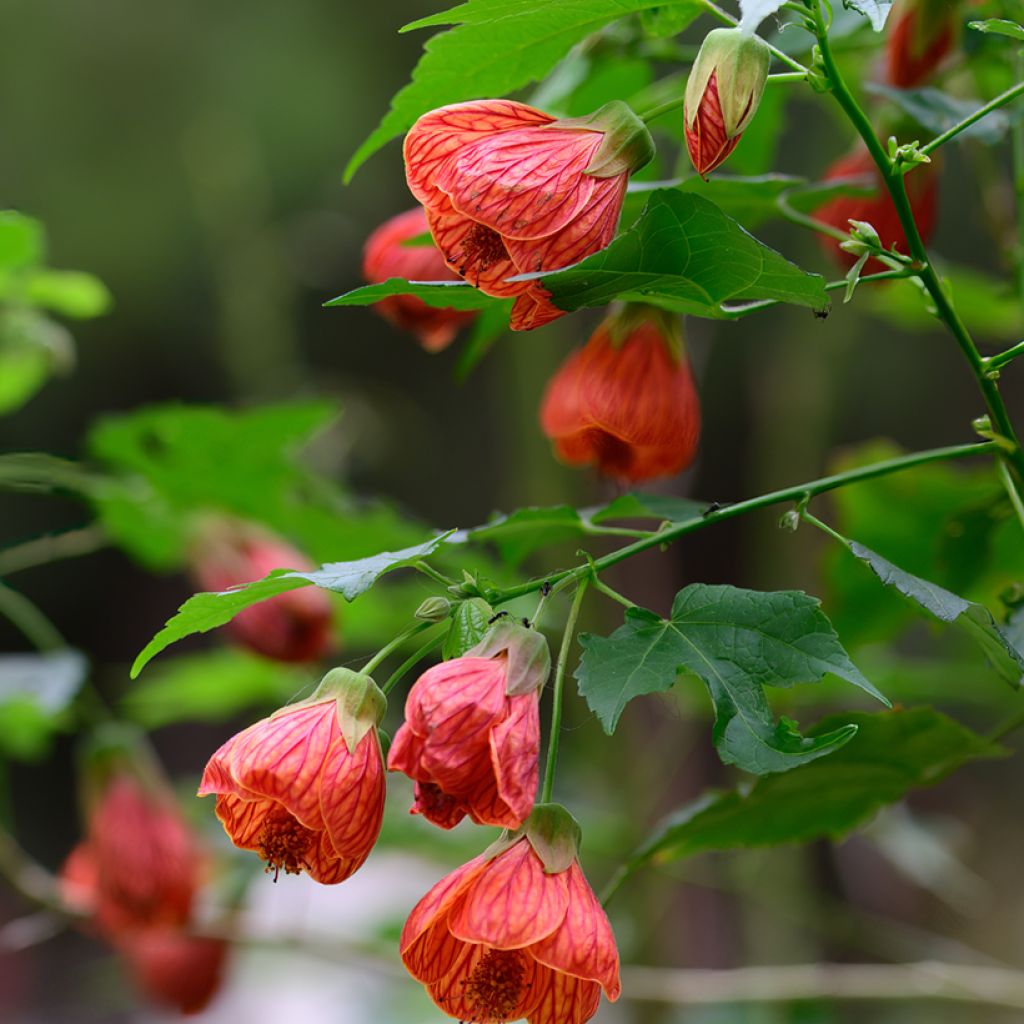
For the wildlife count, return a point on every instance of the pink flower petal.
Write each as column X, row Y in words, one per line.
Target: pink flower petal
column 515, row 745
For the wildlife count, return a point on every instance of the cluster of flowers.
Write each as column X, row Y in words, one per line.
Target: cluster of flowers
column 516, row 932
column 508, row 192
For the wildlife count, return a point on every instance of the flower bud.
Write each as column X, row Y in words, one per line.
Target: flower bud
column 723, row 92
column 434, row 609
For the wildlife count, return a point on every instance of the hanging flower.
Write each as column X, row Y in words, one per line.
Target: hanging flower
column 386, row 255
column 294, row 626
column 510, row 190
column 516, row 933
column 305, row 787
column 921, row 35
column 626, row 401
column 182, row 972
column 472, row 731
column 723, row 92
column 877, row 208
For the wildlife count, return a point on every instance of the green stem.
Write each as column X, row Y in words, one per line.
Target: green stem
column 824, row 527
column 999, row 360
column 613, row 594
column 662, row 108
column 787, row 494
column 1017, row 163
column 738, row 312
column 36, row 627
column 893, row 177
column 787, row 76
column 44, row 550
column 410, row 662
column 407, row 634
column 951, row 133
column 1011, row 490
column 557, row 692
column 432, row 573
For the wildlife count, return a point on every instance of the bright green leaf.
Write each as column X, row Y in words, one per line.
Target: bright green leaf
column 22, row 241
column 495, row 48
column 203, row 612
column 892, row 753
column 440, row 294
column 636, row 505
column 68, row 292
column 737, row 642
column 685, row 254
column 998, row 26
column 469, row 623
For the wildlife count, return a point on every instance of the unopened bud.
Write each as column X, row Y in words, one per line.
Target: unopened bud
column 434, row 609
column 723, row 92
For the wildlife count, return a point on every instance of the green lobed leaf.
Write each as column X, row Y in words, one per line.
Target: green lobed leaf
column 673, row 257
column 495, row 48
column 998, row 26
column 737, row 642
column 440, row 294
column 938, row 111
column 892, row 753
column 975, row 619
column 203, row 612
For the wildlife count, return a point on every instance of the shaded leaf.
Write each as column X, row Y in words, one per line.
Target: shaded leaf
column 440, row 294
column 892, row 753
column 737, row 642
column 998, row 26
column 636, row 505
column 938, row 111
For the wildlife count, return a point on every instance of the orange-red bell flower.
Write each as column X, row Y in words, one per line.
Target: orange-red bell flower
column 501, row 939
column 304, row 788
column 139, row 865
column 626, row 401
column 182, row 972
column 385, row 256
column 877, row 208
column 470, row 744
column 294, row 626
column 921, row 35
column 510, row 190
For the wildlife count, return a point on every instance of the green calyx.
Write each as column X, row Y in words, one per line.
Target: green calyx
column 740, row 61
column 627, row 317
column 627, row 145
column 529, row 659
column 361, row 704
column 552, row 831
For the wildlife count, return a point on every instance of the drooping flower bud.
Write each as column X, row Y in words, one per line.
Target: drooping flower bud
column 304, row 788
column 294, row 626
column 472, row 731
column 511, row 190
column 877, row 208
column 626, row 401
column 723, row 92
column 517, row 932
column 922, row 34
column 387, row 254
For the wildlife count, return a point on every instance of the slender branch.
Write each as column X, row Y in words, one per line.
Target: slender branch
column 1000, row 359
column 797, row 493
column 407, row 634
column 613, row 594
column 44, row 550
column 557, row 691
column 951, row 133
column 429, row 571
column 662, row 108
column 35, row 626
column 926, row 980
column 893, row 177
column 806, row 221
column 1011, row 490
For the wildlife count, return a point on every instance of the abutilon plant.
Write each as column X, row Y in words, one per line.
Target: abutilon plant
column 471, row 735
column 626, row 401
column 304, row 788
column 294, row 626
column 517, row 932
column 510, row 190
column 388, row 254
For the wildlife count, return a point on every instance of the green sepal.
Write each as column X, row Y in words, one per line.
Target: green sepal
column 555, row 836
column 626, row 317
column 741, row 61
column 361, row 703
column 627, row 145
column 529, row 659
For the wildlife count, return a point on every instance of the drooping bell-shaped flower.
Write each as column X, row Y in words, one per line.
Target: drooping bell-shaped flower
column 294, row 626
column 921, row 34
column 626, row 401
column 723, row 92
column 511, row 190
column 877, row 208
column 516, row 932
column 471, row 735
column 387, row 254
column 304, row 788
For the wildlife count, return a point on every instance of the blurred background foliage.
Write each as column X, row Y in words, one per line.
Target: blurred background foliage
column 189, row 156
